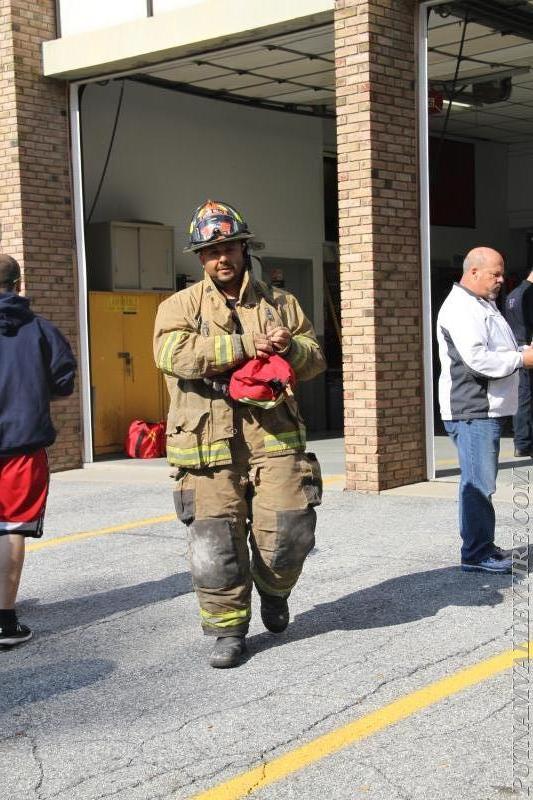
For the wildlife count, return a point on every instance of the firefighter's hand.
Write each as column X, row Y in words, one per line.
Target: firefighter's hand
column 280, row 339
column 263, row 346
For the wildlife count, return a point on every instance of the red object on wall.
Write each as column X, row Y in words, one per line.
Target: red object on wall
column 435, row 102
column 452, row 184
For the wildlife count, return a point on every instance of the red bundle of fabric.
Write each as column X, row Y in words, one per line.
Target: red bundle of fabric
column 262, row 381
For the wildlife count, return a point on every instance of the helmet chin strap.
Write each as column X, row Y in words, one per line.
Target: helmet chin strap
column 247, row 256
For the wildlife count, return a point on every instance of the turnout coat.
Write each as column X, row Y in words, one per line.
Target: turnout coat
column 197, row 338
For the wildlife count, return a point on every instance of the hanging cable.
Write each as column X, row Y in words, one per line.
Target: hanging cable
column 451, row 95
column 108, row 156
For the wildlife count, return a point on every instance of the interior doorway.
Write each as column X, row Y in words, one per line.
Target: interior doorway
column 480, row 146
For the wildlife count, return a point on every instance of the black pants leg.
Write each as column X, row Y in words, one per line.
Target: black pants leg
column 522, row 421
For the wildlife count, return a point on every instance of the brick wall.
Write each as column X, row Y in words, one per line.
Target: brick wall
column 379, row 243
column 35, row 189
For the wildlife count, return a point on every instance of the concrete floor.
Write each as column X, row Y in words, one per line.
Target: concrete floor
column 113, row 697
column 330, row 452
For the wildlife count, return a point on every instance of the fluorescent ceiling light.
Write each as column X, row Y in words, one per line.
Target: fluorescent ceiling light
column 486, row 77
column 459, row 104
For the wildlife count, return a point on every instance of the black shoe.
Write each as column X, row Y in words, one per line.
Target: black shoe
column 10, row 636
column 502, row 566
column 519, row 453
column 500, row 554
column 227, row 652
column 274, row 612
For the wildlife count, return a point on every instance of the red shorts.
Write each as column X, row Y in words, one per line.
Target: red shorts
column 24, row 481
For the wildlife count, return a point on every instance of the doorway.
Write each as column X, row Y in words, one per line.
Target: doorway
column 148, row 161
column 477, row 151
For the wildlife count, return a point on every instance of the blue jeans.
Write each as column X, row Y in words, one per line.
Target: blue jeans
column 478, row 446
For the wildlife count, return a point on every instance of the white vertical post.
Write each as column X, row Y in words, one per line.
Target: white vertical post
column 84, row 363
column 425, row 243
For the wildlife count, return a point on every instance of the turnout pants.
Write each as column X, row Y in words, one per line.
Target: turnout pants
column 267, row 501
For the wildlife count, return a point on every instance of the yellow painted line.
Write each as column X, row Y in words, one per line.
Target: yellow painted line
column 333, row 479
column 277, row 769
column 75, row 537
column 442, row 462
column 43, row 544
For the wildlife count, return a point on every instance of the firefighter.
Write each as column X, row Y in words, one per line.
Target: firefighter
column 237, row 462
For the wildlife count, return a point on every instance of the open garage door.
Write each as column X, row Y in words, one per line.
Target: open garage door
column 251, row 124
column 480, row 124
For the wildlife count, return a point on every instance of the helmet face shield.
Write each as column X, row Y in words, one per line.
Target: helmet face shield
column 214, row 221
column 214, row 227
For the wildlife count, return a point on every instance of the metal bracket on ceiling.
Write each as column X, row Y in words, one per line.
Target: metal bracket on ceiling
column 508, row 17
column 488, row 77
column 254, row 74
column 319, row 110
column 306, row 56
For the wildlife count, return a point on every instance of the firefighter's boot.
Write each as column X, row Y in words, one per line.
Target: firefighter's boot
column 227, row 652
column 274, row 612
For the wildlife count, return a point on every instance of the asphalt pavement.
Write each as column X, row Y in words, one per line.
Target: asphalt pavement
column 374, row 691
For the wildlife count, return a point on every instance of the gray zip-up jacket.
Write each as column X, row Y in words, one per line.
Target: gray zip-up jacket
column 479, row 358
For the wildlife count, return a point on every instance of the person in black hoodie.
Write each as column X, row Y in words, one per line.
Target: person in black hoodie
column 36, row 365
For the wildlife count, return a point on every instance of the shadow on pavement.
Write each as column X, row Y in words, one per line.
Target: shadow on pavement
column 22, row 685
column 453, row 471
column 79, row 611
column 398, row 601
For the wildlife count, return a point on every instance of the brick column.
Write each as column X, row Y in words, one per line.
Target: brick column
column 379, row 243
column 35, row 188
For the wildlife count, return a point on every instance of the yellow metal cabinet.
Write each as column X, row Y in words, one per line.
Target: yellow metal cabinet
column 125, row 383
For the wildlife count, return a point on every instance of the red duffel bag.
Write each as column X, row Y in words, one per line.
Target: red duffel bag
column 145, row 439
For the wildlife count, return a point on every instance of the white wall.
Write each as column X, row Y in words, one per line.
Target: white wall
column 84, row 16
column 173, row 151
column 79, row 17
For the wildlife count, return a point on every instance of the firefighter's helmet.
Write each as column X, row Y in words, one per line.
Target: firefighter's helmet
column 214, row 221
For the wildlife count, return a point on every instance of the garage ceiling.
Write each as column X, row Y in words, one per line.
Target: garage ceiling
column 291, row 72
column 490, row 75
column 486, row 68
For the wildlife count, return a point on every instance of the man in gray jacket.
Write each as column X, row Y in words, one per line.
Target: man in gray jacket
column 478, row 389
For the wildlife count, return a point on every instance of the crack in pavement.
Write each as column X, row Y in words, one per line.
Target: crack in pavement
column 87, row 778
column 292, row 739
column 349, row 665
column 207, row 777
column 386, row 682
column 275, row 690
column 460, row 728
column 38, row 760
column 205, row 715
column 399, row 790
column 175, row 731
column 146, row 781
